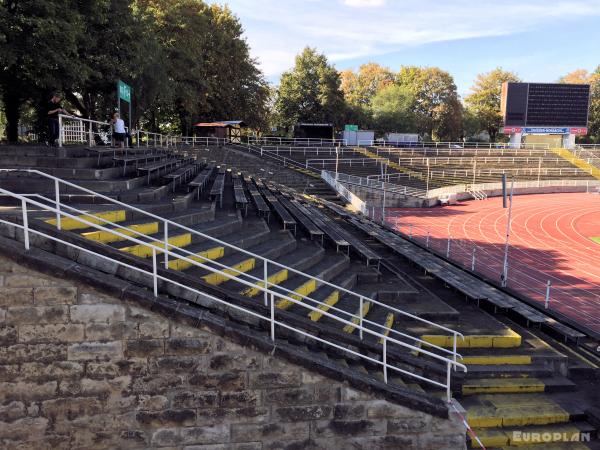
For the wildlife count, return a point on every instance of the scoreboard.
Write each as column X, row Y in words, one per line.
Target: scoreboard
column 545, row 108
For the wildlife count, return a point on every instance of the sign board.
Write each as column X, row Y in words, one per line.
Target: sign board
column 124, row 91
column 351, row 128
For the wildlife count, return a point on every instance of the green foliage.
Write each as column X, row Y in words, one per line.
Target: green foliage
column 186, row 60
column 392, row 109
column 594, row 114
column 310, row 92
column 484, row 101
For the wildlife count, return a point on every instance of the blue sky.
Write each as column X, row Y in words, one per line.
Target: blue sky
column 540, row 40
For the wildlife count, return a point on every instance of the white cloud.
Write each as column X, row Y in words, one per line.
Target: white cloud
column 278, row 29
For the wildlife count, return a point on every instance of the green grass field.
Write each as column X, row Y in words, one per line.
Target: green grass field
column 596, row 239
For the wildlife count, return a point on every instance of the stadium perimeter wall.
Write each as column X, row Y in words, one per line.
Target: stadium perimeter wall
column 82, row 369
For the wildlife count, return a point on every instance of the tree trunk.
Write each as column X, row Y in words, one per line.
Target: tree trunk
column 12, row 104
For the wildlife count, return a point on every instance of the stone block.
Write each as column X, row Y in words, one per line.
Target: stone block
column 103, row 313
column 185, row 331
column 240, row 361
column 154, row 402
column 144, row 347
column 244, row 432
column 8, row 335
column 27, row 391
column 156, row 384
column 335, row 428
column 93, row 298
column 96, row 351
column 195, row 399
column 240, row 399
column 27, row 280
column 12, row 411
column 438, row 441
column 55, row 295
column 226, row 381
column 97, row 331
column 269, row 380
column 9, row 372
column 173, row 417
column 192, row 346
column 163, row 437
column 26, row 429
column 242, row 415
column 382, row 409
column 154, row 330
column 205, row 435
column 16, row 296
column 35, row 315
column 175, row 364
column 349, row 411
column 63, row 332
column 289, row 396
column 19, row 353
column 58, row 370
column 63, row 409
column 302, row 413
column 415, row 424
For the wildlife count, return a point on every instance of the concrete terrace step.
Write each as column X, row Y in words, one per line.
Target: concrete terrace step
column 516, row 385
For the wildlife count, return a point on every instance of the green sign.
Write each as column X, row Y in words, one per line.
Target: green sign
column 351, row 128
column 124, row 91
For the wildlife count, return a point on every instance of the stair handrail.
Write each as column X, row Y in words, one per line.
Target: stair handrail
column 273, row 294
column 266, row 261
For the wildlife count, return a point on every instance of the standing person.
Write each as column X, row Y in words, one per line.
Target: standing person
column 119, row 131
column 53, row 109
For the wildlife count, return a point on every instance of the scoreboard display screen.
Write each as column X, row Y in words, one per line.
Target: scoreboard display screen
column 545, row 104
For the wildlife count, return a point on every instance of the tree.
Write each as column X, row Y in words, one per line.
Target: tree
column 437, row 109
column 392, row 109
column 484, row 100
column 310, row 92
column 582, row 76
column 579, row 76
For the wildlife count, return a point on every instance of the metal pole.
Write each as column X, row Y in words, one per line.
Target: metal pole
column 166, row 225
column 337, row 157
column 25, row 224
column 473, row 260
column 383, row 208
column 60, row 131
column 539, row 171
column 385, row 359
column 448, row 247
column 265, row 274
column 427, row 240
column 360, row 314
column 57, row 194
column 547, row 302
column 427, row 181
column 504, row 277
column 272, row 317
column 154, row 272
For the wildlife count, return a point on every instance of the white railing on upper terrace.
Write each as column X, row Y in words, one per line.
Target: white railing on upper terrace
column 76, row 130
column 452, row 145
column 272, row 292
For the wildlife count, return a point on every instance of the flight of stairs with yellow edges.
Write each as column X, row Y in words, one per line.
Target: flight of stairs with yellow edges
column 98, row 218
column 581, row 163
column 511, row 400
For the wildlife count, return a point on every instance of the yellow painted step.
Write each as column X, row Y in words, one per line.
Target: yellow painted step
column 145, row 251
column 582, row 164
column 107, row 237
column 330, row 301
column 68, row 224
column 503, row 386
column 356, row 320
column 216, row 278
column 306, row 288
column 389, row 321
column 549, row 436
column 276, row 278
column 510, row 339
column 508, row 410
column 497, row 360
column 210, row 254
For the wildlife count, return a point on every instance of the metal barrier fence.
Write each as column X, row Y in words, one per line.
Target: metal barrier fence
column 272, row 292
column 450, row 145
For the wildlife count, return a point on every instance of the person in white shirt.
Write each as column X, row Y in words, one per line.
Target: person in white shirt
column 119, row 132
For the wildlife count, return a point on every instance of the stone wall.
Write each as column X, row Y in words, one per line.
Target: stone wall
column 79, row 369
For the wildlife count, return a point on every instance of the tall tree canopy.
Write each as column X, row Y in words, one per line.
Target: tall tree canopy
column 310, row 92
column 483, row 103
column 185, row 60
column 392, row 109
column 582, row 76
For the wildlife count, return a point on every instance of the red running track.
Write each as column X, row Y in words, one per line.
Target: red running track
column 550, row 240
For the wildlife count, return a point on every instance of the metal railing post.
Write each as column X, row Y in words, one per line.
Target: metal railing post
column 360, row 317
column 448, row 376
column 547, row 300
column 473, row 260
column 166, row 243
column 25, row 224
column 448, row 247
column 266, row 278
column 154, row 272
column 427, row 240
column 273, row 317
column 385, row 377
column 60, row 131
column 57, row 197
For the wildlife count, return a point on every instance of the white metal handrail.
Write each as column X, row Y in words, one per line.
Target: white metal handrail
column 382, row 337
column 457, row 145
column 294, row 141
column 168, row 227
